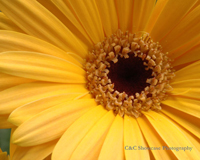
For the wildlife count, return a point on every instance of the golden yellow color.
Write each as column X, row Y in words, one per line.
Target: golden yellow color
column 43, row 46
column 3, row 155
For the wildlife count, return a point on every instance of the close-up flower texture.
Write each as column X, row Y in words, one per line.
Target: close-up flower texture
column 100, row 79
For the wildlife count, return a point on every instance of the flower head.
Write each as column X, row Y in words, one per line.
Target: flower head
column 100, row 79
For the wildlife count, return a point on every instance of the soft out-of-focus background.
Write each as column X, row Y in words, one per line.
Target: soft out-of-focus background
column 5, row 139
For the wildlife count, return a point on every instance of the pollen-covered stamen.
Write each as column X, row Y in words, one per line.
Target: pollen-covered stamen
column 129, row 73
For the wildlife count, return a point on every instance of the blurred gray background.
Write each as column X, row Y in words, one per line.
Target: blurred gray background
column 5, row 139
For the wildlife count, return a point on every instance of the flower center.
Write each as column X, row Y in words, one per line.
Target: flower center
column 129, row 73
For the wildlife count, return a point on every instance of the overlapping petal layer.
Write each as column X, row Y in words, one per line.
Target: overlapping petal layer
column 113, row 145
column 108, row 15
column 88, row 15
column 33, row 108
column 88, row 149
column 185, row 32
column 187, row 88
column 154, row 140
column 33, row 91
column 188, row 72
column 34, row 65
column 14, row 41
column 7, row 81
column 133, row 136
column 185, row 120
column 7, row 24
column 191, row 55
column 59, row 9
column 4, row 123
column 76, row 132
column 62, row 115
column 141, row 13
column 189, row 106
column 29, row 152
column 169, row 133
column 124, row 10
column 169, row 17
column 50, row 29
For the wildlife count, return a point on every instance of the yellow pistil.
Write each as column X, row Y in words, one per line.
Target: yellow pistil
column 125, row 45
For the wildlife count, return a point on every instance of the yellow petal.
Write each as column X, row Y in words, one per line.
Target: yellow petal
column 189, row 88
column 76, row 132
column 59, row 117
column 54, row 10
column 185, row 48
column 108, row 15
column 113, row 145
column 40, row 66
column 155, row 143
column 7, row 81
column 71, row 21
column 190, row 56
column 192, row 138
column 190, row 72
column 37, row 152
column 133, row 138
column 61, row 13
column 185, row 120
column 88, row 15
column 159, row 6
column 172, row 136
column 87, row 96
column 36, row 20
column 48, row 157
column 187, row 30
column 189, row 106
column 181, row 66
column 7, row 24
column 196, row 5
column 4, row 123
column 13, row 147
column 170, row 16
column 13, row 41
column 3, row 155
column 11, row 99
column 27, row 111
column 125, row 11
column 142, row 10
column 89, row 148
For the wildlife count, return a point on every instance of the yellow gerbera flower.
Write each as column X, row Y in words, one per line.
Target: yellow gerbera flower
column 87, row 79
